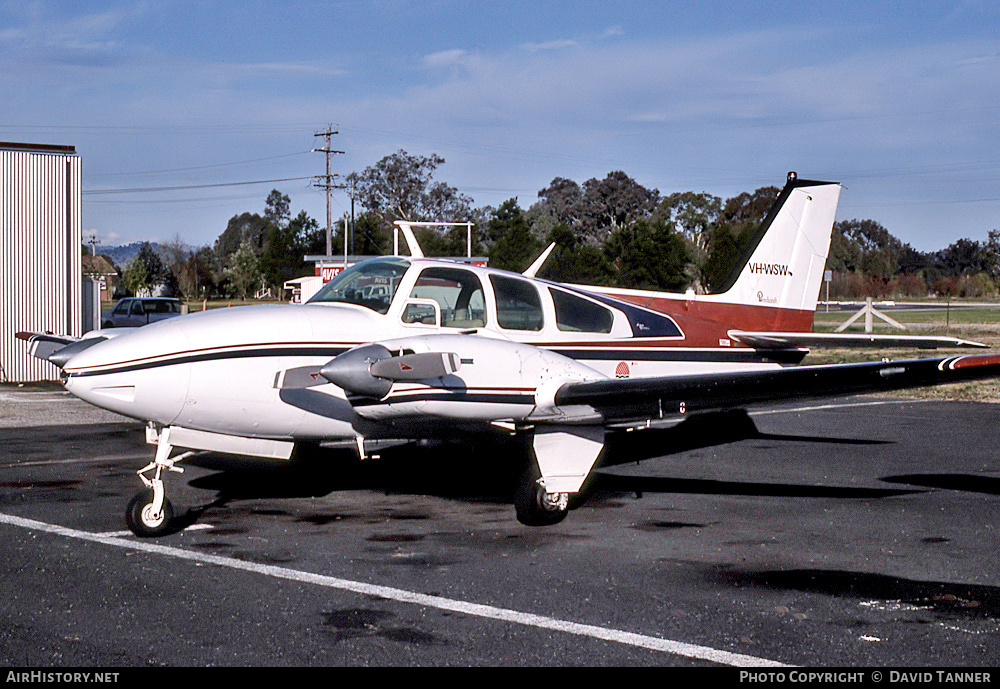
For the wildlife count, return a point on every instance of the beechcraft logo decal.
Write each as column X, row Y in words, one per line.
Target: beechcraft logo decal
column 622, row 370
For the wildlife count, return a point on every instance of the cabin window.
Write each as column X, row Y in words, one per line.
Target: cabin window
column 576, row 314
column 371, row 284
column 518, row 305
column 459, row 294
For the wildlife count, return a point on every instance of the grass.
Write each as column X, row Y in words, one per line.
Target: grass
column 966, row 319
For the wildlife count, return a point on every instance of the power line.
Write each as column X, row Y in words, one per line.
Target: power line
column 204, row 167
column 140, row 190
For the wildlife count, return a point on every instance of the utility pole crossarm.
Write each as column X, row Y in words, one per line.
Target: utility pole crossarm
column 327, row 184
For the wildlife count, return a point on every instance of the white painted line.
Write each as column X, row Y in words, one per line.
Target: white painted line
column 82, row 460
column 127, row 534
column 845, row 405
column 475, row 609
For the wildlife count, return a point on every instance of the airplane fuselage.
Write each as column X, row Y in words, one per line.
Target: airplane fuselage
column 246, row 371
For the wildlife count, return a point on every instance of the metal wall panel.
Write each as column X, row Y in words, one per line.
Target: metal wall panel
column 40, row 254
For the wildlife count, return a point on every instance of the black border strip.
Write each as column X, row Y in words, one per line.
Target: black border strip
column 215, row 356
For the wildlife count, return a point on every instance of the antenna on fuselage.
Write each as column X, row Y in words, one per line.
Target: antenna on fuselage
column 539, row 262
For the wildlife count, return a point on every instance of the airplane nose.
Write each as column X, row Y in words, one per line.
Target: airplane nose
column 126, row 375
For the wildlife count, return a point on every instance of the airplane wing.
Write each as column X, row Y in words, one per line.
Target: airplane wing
column 782, row 340
column 661, row 398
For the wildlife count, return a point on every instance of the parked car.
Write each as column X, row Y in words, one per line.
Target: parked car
column 133, row 312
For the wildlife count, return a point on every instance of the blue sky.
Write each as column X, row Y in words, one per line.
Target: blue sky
column 900, row 102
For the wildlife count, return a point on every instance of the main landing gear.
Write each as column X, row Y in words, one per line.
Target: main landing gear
column 149, row 512
column 535, row 506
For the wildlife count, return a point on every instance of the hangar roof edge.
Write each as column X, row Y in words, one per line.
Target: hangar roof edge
column 37, row 148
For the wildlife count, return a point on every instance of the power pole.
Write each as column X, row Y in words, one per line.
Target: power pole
column 326, row 182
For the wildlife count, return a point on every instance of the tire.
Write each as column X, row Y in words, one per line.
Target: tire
column 533, row 505
column 141, row 521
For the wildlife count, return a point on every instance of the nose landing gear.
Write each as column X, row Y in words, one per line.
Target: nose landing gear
column 149, row 512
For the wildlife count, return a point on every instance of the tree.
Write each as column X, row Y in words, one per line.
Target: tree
column 740, row 218
column 285, row 245
column 243, row 271
column 145, row 272
column 613, row 203
column 648, row 255
column 401, row 187
column 694, row 216
column 561, row 201
column 276, row 209
column 963, row 257
column 573, row 261
column 514, row 247
column 865, row 246
column 243, row 227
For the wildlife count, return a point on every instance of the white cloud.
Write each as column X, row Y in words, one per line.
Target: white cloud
column 559, row 44
column 445, row 58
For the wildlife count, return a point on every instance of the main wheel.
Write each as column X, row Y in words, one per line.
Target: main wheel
column 141, row 519
column 535, row 506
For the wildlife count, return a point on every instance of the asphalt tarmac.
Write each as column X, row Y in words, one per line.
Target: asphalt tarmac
column 858, row 533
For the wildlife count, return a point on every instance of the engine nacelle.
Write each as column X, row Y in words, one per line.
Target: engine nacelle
column 462, row 377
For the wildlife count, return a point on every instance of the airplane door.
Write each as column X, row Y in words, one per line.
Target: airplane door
column 445, row 298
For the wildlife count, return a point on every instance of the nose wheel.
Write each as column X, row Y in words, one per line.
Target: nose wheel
column 143, row 517
column 150, row 513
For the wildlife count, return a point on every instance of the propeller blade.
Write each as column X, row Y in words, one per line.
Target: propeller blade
column 298, row 378
column 417, row 366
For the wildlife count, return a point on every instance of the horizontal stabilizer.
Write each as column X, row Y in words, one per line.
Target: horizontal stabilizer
column 42, row 345
column 778, row 340
column 58, row 349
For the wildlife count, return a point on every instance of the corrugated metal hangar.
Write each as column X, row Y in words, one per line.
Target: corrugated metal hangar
column 40, row 252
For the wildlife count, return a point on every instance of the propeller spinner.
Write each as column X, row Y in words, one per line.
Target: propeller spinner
column 370, row 370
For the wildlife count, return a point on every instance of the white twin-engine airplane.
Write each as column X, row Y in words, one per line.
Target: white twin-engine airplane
column 408, row 348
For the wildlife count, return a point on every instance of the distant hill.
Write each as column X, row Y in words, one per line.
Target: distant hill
column 121, row 255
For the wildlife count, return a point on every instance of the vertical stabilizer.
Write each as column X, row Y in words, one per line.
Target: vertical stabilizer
column 783, row 264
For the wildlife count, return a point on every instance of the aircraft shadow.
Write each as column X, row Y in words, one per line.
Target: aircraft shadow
column 967, row 483
column 446, row 470
column 929, row 599
column 712, row 430
column 701, row 431
column 489, row 471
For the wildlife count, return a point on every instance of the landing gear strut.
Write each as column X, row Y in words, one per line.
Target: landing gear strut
column 149, row 512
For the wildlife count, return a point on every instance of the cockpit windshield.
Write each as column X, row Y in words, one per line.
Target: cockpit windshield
column 371, row 284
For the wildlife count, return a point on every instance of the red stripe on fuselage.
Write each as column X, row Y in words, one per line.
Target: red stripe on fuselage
column 705, row 323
